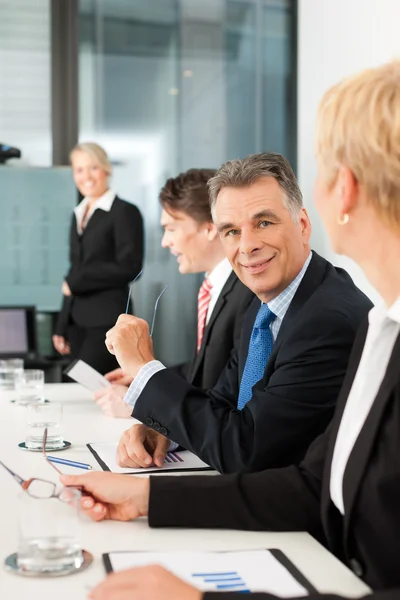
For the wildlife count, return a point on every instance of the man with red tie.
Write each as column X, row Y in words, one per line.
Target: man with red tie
column 191, row 236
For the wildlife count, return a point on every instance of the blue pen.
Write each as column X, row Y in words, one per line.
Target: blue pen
column 69, row 463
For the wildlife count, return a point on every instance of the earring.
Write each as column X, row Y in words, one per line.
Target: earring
column 343, row 219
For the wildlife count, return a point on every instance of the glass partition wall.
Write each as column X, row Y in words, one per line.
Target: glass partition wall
column 166, row 85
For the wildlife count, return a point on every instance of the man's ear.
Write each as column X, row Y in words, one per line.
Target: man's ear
column 211, row 231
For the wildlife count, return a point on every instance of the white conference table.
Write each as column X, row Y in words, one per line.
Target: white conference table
column 84, row 422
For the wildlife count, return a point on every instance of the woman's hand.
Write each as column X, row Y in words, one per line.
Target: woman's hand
column 61, row 344
column 65, row 289
column 112, row 496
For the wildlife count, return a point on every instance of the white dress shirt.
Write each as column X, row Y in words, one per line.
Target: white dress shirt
column 105, row 202
column 384, row 327
column 218, row 278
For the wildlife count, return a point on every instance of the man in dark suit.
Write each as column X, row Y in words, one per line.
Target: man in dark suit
column 191, row 236
column 279, row 389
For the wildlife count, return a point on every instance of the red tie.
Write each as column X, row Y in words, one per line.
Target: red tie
column 203, row 301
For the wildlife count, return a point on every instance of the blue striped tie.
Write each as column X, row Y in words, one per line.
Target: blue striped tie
column 260, row 348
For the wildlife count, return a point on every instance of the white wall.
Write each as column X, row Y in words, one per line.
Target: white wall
column 337, row 38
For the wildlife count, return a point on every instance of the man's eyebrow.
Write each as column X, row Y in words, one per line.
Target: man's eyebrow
column 224, row 226
column 263, row 214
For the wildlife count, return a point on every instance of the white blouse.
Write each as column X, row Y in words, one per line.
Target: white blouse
column 383, row 330
column 105, row 202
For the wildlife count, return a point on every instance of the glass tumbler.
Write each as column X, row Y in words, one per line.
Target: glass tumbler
column 29, row 386
column 40, row 416
column 9, row 369
column 50, row 532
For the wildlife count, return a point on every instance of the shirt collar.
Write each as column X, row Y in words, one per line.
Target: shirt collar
column 281, row 303
column 105, row 202
column 380, row 313
column 220, row 272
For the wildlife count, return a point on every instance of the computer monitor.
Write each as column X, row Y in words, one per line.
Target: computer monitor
column 17, row 331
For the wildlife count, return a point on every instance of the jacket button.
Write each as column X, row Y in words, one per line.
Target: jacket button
column 156, row 426
column 356, row 567
column 163, row 431
column 149, row 422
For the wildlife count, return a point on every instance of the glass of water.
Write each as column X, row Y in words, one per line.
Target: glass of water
column 50, row 532
column 9, row 369
column 29, row 386
column 40, row 416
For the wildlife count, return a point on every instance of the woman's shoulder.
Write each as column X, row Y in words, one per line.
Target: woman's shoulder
column 120, row 205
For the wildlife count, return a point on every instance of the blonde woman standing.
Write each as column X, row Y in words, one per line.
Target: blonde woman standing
column 106, row 253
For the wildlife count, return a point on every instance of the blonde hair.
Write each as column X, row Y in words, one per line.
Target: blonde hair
column 358, row 126
column 96, row 152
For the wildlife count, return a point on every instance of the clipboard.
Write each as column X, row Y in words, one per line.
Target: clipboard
column 173, row 467
column 277, row 554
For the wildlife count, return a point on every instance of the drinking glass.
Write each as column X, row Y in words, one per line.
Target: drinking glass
column 50, row 532
column 40, row 416
column 29, row 385
column 9, row 369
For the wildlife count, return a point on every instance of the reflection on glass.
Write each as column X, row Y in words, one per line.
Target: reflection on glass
column 166, row 85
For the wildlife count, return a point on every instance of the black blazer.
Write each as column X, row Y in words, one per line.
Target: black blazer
column 222, row 333
column 294, row 401
column 366, row 538
column 103, row 260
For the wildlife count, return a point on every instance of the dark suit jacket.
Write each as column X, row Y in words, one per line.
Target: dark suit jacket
column 366, row 538
column 103, row 260
column 294, row 401
column 222, row 333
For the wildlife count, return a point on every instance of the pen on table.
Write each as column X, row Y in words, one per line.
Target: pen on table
column 70, row 463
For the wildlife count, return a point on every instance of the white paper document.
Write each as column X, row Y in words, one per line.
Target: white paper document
column 84, row 374
column 243, row 571
column 106, row 456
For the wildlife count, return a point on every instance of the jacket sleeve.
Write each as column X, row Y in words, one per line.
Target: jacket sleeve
column 282, row 418
column 393, row 594
column 126, row 263
column 286, row 499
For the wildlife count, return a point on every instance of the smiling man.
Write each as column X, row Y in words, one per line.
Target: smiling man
column 279, row 389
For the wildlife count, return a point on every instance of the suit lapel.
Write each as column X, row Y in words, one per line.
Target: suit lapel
column 312, row 279
column 230, row 282
column 365, row 442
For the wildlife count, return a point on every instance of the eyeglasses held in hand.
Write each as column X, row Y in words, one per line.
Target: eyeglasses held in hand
column 41, row 488
column 155, row 306
column 130, row 290
column 155, row 310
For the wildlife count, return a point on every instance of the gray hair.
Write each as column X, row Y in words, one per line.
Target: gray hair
column 242, row 172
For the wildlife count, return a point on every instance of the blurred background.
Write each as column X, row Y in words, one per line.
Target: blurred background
column 163, row 85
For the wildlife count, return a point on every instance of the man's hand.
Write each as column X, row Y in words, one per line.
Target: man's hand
column 129, row 340
column 144, row 583
column 65, row 289
column 112, row 497
column 140, row 446
column 119, row 377
column 61, row 344
column 111, row 401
